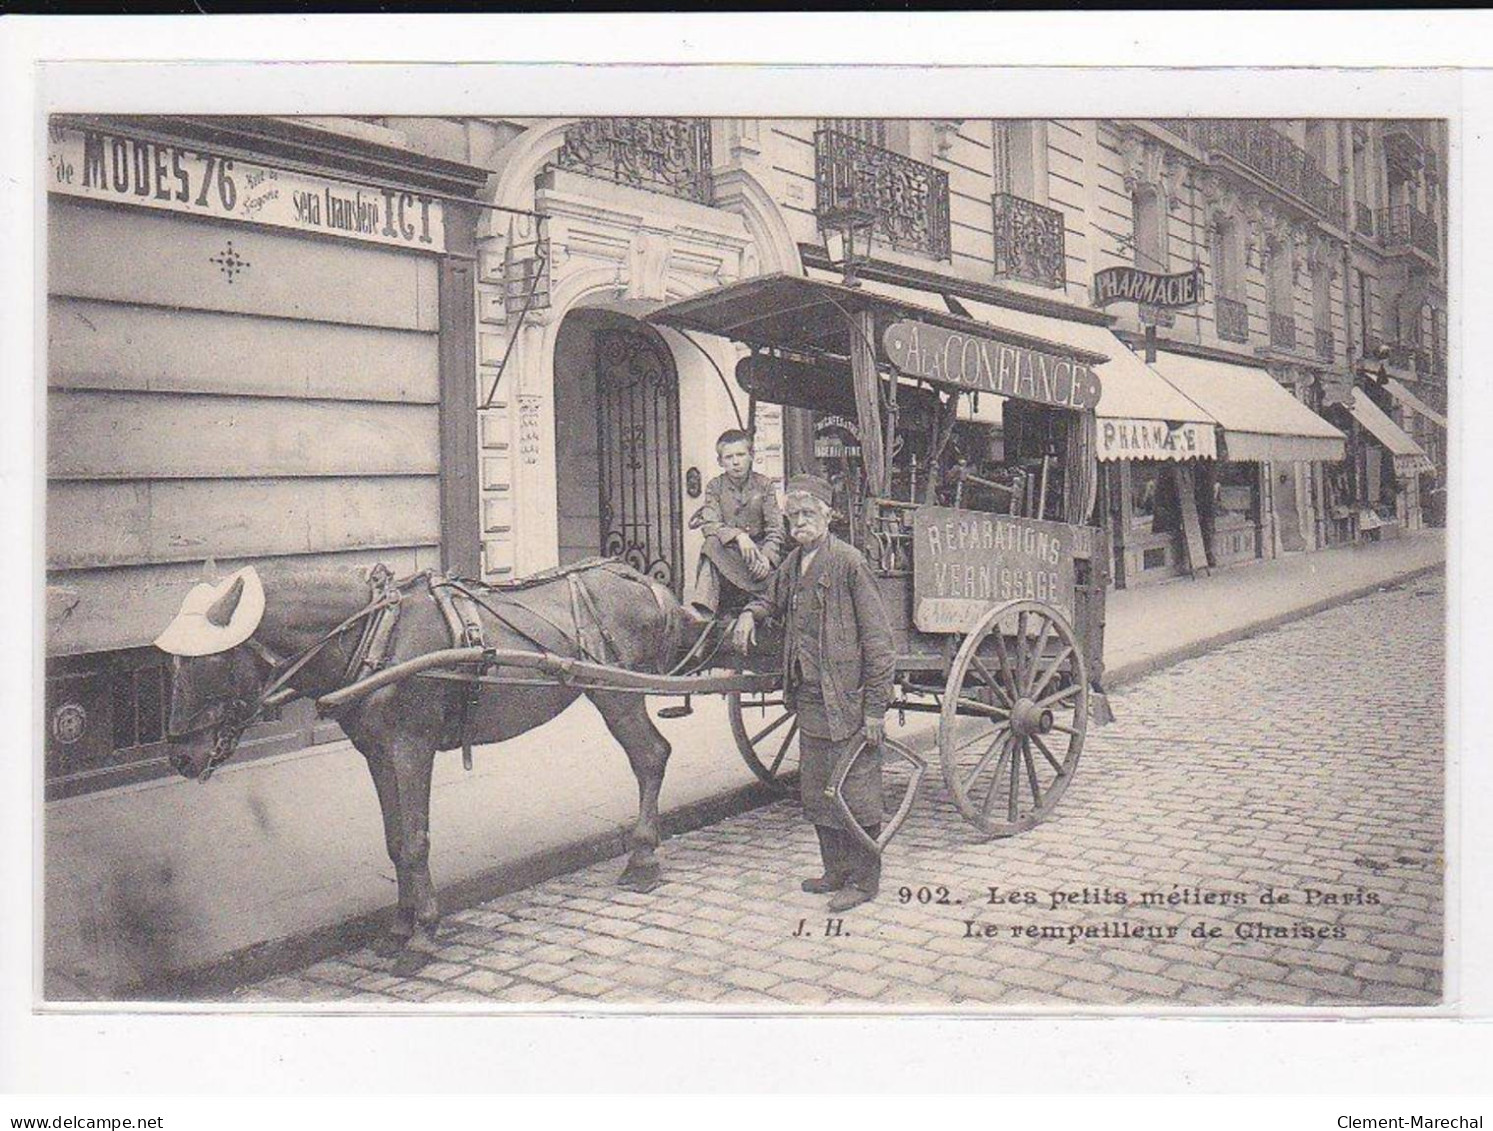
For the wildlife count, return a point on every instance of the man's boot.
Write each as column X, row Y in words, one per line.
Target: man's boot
column 833, row 845
column 865, row 874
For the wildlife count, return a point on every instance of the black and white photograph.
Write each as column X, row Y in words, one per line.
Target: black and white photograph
column 791, row 562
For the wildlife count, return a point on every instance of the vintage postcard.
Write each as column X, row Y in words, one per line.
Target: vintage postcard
column 786, row 561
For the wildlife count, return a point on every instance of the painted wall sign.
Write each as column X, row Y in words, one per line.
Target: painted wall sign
column 100, row 166
column 949, row 357
column 966, row 562
column 1131, row 284
column 1155, row 439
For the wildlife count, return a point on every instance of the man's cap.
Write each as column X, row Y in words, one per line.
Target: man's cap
column 814, row 485
column 216, row 616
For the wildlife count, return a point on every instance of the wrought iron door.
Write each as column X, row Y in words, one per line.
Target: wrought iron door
column 637, row 422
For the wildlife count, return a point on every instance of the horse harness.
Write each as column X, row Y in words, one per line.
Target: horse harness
column 461, row 609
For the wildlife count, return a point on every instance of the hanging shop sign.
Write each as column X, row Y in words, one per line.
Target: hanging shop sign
column 1155, row 439
column 1131, row 284
column 97, row 165
column 964, row 562
column 951, row 357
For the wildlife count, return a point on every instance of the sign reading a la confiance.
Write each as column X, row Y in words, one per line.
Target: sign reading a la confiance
column 101, row 166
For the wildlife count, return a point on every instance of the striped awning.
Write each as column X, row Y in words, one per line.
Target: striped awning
column 1409, row 458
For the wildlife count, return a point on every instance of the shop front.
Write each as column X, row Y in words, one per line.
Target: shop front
column 260, row 348
column 1255, row 499
column 1387, row 465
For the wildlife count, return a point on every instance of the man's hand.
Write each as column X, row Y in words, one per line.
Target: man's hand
column 745, row 544
column 875, row 731
column 758, row 564
column 744, row 634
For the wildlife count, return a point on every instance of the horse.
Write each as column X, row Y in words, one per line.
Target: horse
column 316, row 631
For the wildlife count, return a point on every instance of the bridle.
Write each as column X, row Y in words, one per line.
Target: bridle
column 233, row 717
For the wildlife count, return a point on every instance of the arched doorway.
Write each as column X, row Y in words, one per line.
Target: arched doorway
column 617, row 445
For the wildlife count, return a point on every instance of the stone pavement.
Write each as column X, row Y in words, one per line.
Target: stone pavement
column 1270, row 813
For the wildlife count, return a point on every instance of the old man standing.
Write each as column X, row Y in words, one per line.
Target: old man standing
column 838, row 660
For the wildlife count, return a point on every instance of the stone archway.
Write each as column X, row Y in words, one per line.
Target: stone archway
column 617, row 444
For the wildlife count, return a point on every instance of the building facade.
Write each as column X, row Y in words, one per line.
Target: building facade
column 486, row 394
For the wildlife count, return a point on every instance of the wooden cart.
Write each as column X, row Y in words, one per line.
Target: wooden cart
column 998, row 611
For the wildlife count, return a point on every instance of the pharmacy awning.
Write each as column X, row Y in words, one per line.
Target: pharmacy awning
column 1260, row 420
column 1141, row 415
column 1400, row 393
column 1408, row 457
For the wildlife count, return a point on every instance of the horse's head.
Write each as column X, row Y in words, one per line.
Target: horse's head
column 217, row 673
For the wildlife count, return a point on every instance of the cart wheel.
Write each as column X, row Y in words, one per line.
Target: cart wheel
column 766, row 733
column 1015, row 710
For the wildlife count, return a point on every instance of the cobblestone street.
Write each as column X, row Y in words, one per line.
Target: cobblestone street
column 1263, row 825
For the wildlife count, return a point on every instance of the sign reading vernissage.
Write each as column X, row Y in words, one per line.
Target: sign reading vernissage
column 951, row 357
column 966, row 562
column 1155, row 439
column 1131, row 284
column 101, row 166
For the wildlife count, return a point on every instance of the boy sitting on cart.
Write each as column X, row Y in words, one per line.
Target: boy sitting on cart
column 743, row 528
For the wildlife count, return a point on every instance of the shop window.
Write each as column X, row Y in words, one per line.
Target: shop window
column 1154, row 507
column 1234, row 494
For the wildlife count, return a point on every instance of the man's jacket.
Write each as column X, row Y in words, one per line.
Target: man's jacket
column 856, row 650
column 725, row 512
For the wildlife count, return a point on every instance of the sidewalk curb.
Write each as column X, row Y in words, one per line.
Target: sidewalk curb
column 278, row 956
column 1124, row 674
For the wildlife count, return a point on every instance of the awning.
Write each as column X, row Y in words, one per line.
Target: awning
column 1141, row 415
column 796, row 312
column 1398, row 391
column 1260, row 420
column 1408, row 456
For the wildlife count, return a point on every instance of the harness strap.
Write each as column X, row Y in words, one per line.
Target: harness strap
column 464, row 622
column 589, row 625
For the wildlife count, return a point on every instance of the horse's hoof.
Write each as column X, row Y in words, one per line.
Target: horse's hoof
column 387, row 946
column 410, row 962
column 640, row 880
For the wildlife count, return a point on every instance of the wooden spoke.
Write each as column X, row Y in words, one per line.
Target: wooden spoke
column 1012, row 793
column 995, row 781
column 1029, row 676
column 968, row 706
column 1061, row 729
column 1020, row 649
column 978, row 665
column 1031, row 773
column 772, row 726
column 1059, row 696
column 1005, row 659
column 984, row 761
column 1040, row 685
column 783, row 749
column 1046, row 753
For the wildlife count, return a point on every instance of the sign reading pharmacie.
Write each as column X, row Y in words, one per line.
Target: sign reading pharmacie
column 952, row 357
column 1155, row 439
column 1131, row 284
column 966, row 562
column 97, row 165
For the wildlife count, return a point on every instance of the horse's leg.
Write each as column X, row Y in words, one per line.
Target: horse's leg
column 648, row 751
column 381, row 769
column 412, row 759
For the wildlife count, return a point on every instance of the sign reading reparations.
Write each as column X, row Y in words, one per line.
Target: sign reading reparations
column 1131, row 284
column 150, row 174
column 950, row 357
column 965, row 562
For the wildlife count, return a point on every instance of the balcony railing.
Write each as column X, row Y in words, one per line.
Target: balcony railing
column 1266, row 152
column 909, row 200
column 1405, row 226
column 1029, row 242
column 1282, row 330
column 1364, row 215
column 667, row 155
column 1232, row 319
column 1326, row 350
